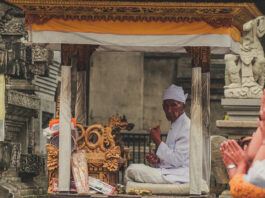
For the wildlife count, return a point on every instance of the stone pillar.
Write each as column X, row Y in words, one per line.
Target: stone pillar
column 2, row 107
column 65, row 119
column 199, row 60
column 84, row 53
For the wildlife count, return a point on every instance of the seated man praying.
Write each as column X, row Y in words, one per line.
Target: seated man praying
column 172, row 157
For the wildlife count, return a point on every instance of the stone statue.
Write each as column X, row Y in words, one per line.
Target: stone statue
column 258, row 71
column 16, row 69
column 244, row 74
column 39, row 54
column 232, row 72
column 24, row 70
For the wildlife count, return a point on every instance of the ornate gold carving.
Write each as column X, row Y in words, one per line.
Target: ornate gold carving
column 100, row 147
column 104, row 147
column 102, row 154
column 117, row 123
column 201, row 57
column 52, row 164
column 216, row 14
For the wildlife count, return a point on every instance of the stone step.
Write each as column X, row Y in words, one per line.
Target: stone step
column 26, row 192
column 35, row 196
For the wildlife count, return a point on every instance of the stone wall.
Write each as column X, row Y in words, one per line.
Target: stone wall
column 133, row 83
column 116, row 86
column 217, row 67
column 159, row 73
column 21, row 108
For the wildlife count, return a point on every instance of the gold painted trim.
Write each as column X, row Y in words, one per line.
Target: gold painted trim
column 216, row 14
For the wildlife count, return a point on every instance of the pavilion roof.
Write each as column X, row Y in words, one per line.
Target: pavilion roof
column 215, row 12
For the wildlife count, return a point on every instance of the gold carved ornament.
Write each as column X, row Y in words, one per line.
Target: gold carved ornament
column 100, row 147
column 201, row 57
column 217, row 14
column 52, row 164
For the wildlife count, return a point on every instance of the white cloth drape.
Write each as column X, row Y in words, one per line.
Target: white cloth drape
column 256, row 174
column 219, row 44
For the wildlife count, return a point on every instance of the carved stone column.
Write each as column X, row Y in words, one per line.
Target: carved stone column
column 200, row 59
column 84, row 53
column 65, row 119
column 2, row 107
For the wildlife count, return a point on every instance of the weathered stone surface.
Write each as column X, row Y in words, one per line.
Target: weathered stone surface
column 21, row 122
column 23, row 100
column 5, row 155
column 116, row 86
column 225, row 194
column 15, row 155
column 11, row 25
column 236, row 124
column 219, row 172
column 244, row 74
column 159, row 73
column 231, row 103
column 31, row 164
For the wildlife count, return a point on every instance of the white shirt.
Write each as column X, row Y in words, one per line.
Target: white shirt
column 256, row 174
column 174, row 154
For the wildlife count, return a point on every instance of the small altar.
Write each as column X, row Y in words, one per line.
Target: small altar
column 241, row 116
column 127, row 196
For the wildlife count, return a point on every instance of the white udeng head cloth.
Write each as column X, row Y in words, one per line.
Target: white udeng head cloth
column 175, row 93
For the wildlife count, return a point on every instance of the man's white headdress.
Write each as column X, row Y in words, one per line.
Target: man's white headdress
column 175, row 93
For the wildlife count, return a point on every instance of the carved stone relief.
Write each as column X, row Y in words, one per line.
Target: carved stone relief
column 31, row 164
column 15, row 156
column 244, row 74
column 23, row 100
column 11, row 24
column 38, row 59
column 5, row 155
column 17, row 60
column 23, row 62
column 39, row 54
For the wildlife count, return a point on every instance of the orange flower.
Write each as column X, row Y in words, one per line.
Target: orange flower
column 241, row 189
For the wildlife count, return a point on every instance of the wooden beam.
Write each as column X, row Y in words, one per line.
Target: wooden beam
column 80, row 103
column 67, row 51
column 196, row 133
column 206, row 146
column 65, row 130
column 206, row 166
column 200, row 62
column 65, row 119
column 84, row 53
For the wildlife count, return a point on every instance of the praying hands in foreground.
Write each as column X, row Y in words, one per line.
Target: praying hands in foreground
column 239, row 160
column 246, row 166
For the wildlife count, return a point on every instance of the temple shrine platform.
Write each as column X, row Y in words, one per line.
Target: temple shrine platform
column 65, row 195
